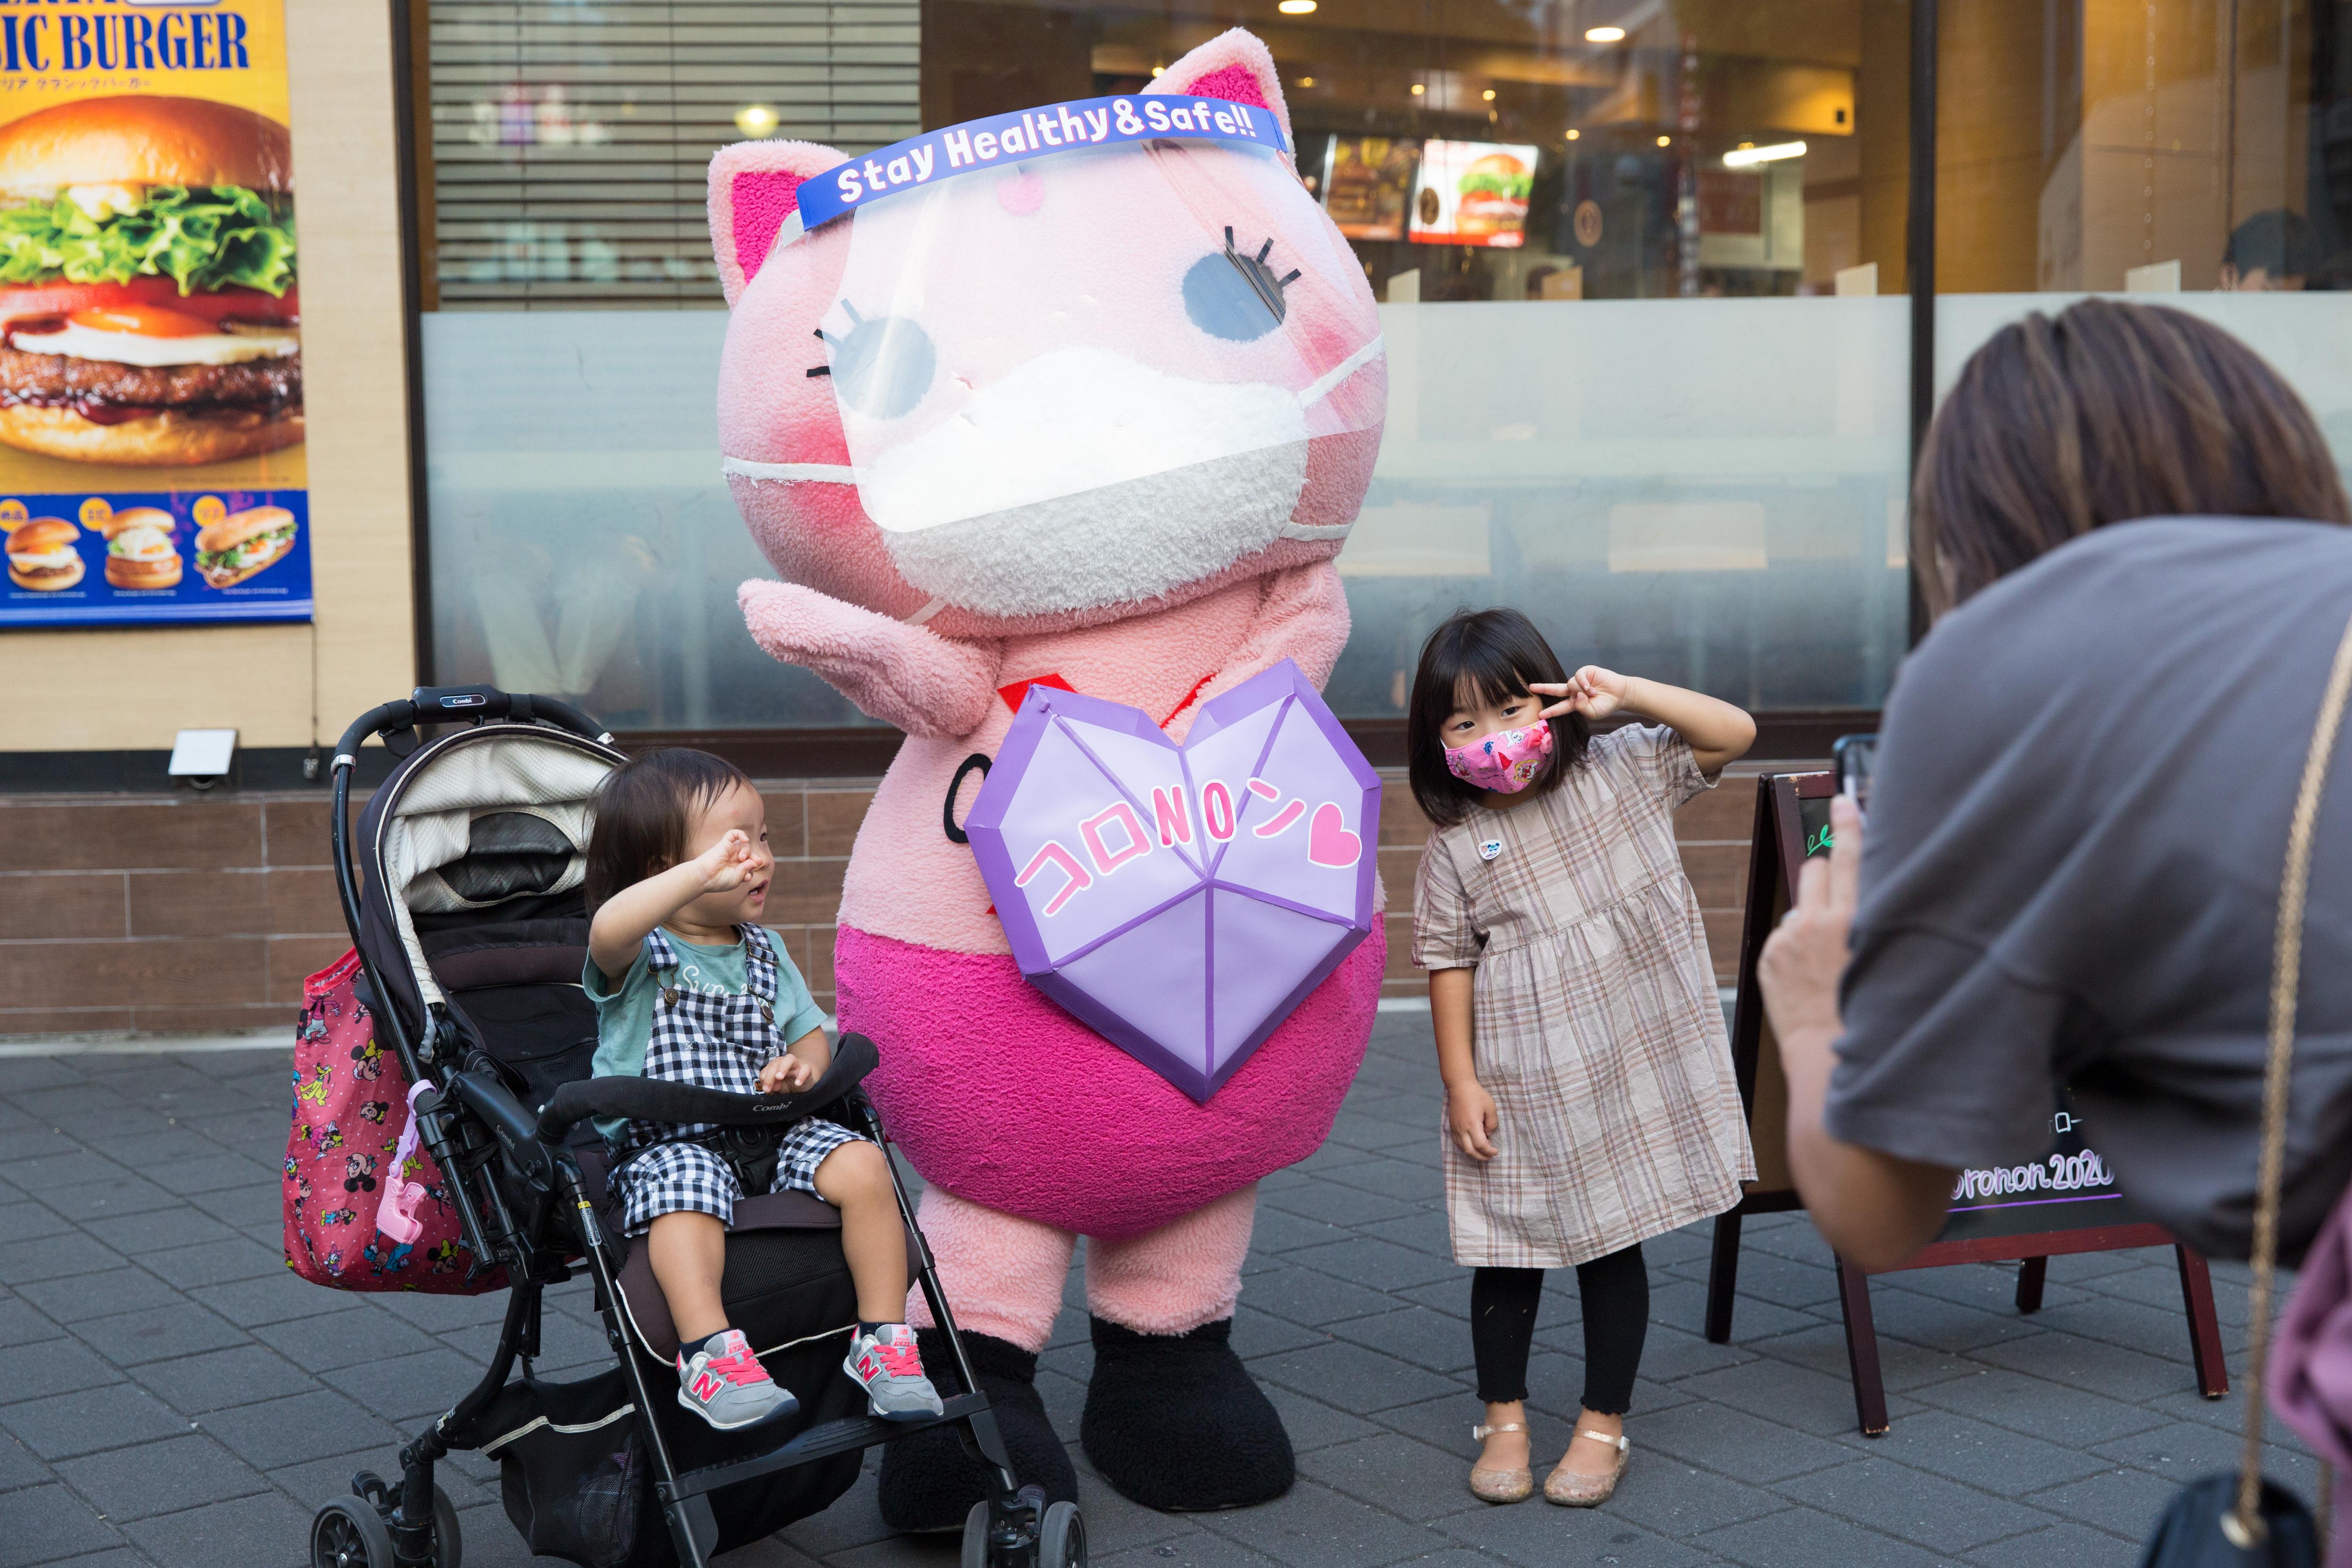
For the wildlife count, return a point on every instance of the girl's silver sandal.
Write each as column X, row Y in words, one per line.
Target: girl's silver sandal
column 1569, row 1489
column 1500, row 1486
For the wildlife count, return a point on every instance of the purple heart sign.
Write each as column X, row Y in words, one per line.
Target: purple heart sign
column 1181, row 901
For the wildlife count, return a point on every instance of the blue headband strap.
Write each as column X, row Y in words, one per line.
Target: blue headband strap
column 1001, row 139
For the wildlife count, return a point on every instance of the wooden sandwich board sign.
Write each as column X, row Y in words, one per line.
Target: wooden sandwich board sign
column 2067, row 1203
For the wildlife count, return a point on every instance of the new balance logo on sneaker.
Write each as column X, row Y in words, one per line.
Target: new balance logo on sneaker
column 886, row 1364
column 723, row 1382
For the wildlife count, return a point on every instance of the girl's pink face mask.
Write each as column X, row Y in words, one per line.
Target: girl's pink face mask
column 1506, row 762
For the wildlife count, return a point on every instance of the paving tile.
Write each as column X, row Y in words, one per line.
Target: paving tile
column 1777, row 1390
column 24, row 1220
column 22, row 1323
column 19, row 1467
column 259, row 1207
column 207, row 1172
column 133, row 1339
column 400, row 1389
column 159, row 1229
column 247, row 1374
column 1682, row 1303
column 118, row 1194
column 1316, row 1527
column 189, row 1266
column 89, row 1419
column 280, row 1431
column 2075, row 1419
column 1353, row 1378
column 342, row 1338
column 2120, row 1501
column 1929, row 1511
column 1416, row 1334
column 2059, row 1546
column 1682, row 1502
column 2104, row 1369
column 55, row 1258
column 1314, row 1425
column 119, row 1291
column 48, row 1523
column 1312, row 1298
column 71, row 1166
column 162, row 1477
column 1802, row 1538
column 1732, row 1443
column 1902, row 1366
column 1540, row 1536
column 1334, row 1204
column 272, row 1299
column 1393, row 1472
column 1977, row 1455
column 1382, row 1264
column 221, row 1534
column 52, row 1366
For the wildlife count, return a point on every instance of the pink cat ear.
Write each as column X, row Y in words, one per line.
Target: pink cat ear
column 754, row 187
column 1233, row 66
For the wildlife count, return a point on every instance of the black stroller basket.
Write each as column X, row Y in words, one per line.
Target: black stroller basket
column 470, row 969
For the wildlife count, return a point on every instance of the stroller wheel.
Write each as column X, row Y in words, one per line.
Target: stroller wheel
column 349, row 1533
column 975, row 1537
column 448, row 1542
column 1061, row 1537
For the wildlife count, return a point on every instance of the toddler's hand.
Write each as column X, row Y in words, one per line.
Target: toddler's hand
column 1592, row 691
column 1471, row 1121
column 786, row 1075
column 724, row 865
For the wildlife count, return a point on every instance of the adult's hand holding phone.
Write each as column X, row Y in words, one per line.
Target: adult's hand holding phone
column 1877, row 1210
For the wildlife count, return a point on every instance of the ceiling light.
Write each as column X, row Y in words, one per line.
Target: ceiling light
column 755, row 120
column 1743, row 156
column 1489, row 95
column 1604, row 35
column 1574, row 135
column 1159, row 70
column 1418, row 90
column 1665, row 141
column 1297, row 7
column 1307, row 81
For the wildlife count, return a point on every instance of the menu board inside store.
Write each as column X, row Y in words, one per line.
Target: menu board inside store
column 1473, row 193
column 1365, row 182
column 151, row 466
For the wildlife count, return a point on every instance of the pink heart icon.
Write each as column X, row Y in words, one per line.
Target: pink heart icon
column 1329, row 842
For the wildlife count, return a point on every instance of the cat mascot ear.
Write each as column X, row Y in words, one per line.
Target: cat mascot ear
column 1233, row 66
column 755, row 186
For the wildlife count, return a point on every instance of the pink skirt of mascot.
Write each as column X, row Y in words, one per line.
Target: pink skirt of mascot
column 1083, row 400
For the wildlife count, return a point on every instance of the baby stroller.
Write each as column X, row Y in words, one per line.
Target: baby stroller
column 471, row 931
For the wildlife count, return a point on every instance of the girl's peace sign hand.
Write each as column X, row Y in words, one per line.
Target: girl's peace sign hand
column 724, row 865
column 1592, row 691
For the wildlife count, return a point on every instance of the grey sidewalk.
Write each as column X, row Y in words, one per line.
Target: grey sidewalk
column 169, row 1394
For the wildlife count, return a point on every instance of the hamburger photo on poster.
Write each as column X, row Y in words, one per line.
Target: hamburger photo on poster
column 1473, row 193
column 148, row 312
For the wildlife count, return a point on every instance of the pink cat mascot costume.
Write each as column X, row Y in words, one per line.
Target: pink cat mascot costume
column 1058, row 426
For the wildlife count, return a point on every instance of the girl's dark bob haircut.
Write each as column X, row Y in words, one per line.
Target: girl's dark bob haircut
column 645, row 808
column 1480, row 656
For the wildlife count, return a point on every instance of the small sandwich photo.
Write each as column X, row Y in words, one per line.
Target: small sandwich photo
column 41, row 555
column 138, row 549
column 242, row 544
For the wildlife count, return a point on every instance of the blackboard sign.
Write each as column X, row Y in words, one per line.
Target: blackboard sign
column 2067, row 1202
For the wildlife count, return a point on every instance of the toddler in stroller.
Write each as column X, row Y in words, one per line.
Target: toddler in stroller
column 477, row 1006
column 689, row 989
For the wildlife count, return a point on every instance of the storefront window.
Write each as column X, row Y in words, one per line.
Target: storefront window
column 2194, row 155
column 1636, row 260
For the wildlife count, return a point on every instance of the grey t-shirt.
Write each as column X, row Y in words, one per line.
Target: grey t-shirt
column 2071, row 869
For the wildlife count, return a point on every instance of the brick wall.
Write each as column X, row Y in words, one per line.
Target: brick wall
column 203, row 912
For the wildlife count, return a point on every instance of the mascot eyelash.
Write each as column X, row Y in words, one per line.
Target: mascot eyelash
column 1259, row 276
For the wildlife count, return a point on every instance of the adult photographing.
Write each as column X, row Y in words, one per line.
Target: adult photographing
column 2132, row 531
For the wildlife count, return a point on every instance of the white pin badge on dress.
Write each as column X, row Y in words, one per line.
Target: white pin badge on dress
column 1490, row 849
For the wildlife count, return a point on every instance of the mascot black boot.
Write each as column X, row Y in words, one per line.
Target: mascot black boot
column 929, row 1482
column 1175, row 1422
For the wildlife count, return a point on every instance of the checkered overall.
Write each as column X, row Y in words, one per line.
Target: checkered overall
column 711, row 1042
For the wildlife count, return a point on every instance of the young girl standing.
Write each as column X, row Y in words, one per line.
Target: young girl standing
column 1590, row 1102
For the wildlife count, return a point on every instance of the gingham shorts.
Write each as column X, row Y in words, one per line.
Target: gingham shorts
column 675, row 1178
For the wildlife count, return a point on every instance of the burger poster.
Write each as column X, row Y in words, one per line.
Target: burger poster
column 1473, row 193
column 150, row 356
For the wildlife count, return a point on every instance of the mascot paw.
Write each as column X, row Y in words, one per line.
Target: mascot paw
column 929, row 1482
column 1174, row 1422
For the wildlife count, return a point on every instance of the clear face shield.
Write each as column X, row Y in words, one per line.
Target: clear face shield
column 1148, row 325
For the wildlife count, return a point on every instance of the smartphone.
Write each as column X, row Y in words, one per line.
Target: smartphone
column 1857, row 757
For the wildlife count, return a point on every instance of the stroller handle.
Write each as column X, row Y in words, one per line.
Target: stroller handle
column 456, row 704
column 649, row 1100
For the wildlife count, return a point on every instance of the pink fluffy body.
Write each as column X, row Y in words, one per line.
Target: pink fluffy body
column 1012, row 545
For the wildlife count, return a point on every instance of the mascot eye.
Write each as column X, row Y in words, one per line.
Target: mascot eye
column 882, row 367
column 1236, row 297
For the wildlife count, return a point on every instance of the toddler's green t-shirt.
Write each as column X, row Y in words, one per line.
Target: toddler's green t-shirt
column 625, row 1013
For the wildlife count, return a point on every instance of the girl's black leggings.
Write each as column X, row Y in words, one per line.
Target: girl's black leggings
column 1616, row 1291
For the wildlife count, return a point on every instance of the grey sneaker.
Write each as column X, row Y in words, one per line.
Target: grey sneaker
column 726, row 1385
column 886, row 1364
